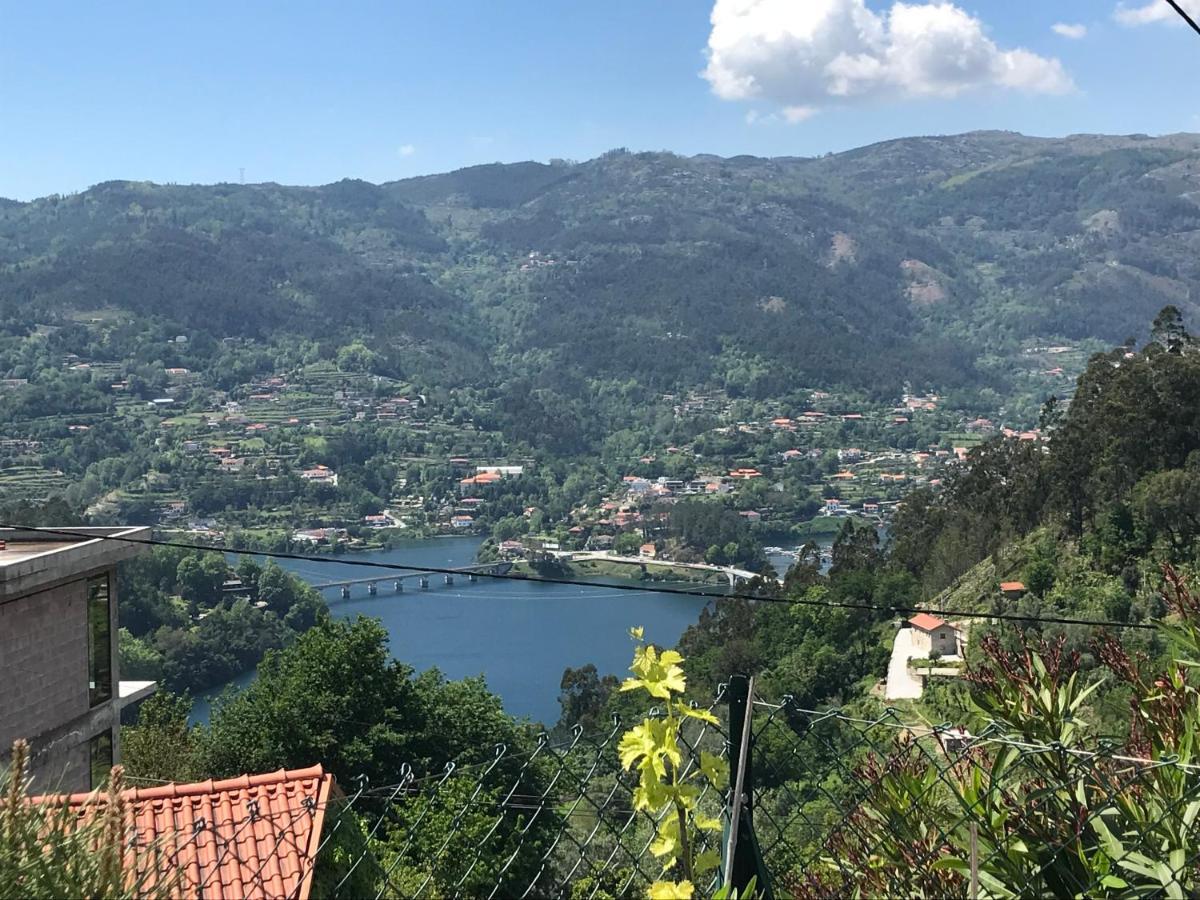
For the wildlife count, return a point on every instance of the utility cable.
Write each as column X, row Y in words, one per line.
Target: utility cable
column 1184, row 15
column 673, row 591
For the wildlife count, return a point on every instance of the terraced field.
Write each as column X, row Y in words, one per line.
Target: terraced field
column 30, row 482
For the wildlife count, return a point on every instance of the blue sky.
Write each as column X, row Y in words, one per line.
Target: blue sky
column 308, row 93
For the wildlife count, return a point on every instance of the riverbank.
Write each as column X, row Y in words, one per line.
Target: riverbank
column 518, row 634
column 649, row 571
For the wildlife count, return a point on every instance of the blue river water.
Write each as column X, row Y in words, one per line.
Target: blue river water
column 519, row 635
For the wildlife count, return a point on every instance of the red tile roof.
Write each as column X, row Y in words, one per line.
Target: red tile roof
column 926, row 622
column 252, row 836
column 1007, row 586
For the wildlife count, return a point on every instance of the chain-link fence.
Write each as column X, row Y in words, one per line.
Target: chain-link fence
column 833, row 805
column 555, row 821
column 851, row 806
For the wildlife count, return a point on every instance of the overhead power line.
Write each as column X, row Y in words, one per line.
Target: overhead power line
column 575, row 582
column 1183, row 14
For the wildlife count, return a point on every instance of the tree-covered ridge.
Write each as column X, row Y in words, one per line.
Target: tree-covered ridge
column 936, row 254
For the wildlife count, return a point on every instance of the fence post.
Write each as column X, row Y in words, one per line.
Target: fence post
column 747, row 859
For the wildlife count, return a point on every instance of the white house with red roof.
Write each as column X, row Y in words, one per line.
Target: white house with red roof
column 930, row 635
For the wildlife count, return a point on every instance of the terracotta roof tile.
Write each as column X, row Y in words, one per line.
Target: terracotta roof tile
column 253, row 836
column 926, row 622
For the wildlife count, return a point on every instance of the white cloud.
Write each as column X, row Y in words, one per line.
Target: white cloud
column 1074, row 32
column 1154, row 11
column 802, row 54
column 794, row 114
column 407, row 149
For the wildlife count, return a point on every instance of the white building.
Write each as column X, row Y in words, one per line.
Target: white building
column 930, row 635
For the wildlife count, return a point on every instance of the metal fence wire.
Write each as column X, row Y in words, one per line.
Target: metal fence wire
column 834, row 805
column 848, row 806
column 556, row 821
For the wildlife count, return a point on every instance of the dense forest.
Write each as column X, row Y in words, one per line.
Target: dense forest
column 936, row 255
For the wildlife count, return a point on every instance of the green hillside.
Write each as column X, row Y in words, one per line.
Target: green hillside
column 924, row 259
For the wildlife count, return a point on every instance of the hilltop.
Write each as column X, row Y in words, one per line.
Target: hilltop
column 930, row 260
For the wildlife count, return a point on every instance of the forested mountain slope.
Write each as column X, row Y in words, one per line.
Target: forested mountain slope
column 926, row 259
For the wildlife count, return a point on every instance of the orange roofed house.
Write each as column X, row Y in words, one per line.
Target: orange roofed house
column 931, row 635
column 253, row 836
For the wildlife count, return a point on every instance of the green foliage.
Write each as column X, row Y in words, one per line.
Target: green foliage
column 337, row 697
column 226, row 637
column 162, row 746
column 347, row 865
column 140, row 661
column 705, row 528
column 50, row 850
column 584, row 695
column 448, row 835
column 200, row 578
column 356, row 357
column 1043, row 820
column 1167, row 503
column 667, row 789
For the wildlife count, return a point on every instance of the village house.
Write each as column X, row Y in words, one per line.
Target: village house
column 461, row 521
column 648, row 551
column 483, row 479
column 1012, row 590
column 745, row 473
column 753, row 516
column 931, row 636
column 320, row 475
column 318, row 535
column 833, row 507
column 636, row 485
column 500, row 470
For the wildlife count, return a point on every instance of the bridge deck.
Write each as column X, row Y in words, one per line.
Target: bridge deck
column 500, row 568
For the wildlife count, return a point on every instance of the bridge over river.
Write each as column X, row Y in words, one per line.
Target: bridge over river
column 397, row 579
column 734, row 576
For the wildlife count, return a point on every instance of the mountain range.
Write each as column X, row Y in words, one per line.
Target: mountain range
column 928, row 260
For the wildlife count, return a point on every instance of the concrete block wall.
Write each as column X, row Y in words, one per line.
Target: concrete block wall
column 43, row 661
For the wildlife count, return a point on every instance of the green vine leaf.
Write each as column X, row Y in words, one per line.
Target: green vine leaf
column 669, row 890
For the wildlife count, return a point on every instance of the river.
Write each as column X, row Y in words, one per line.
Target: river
column 519, row 635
